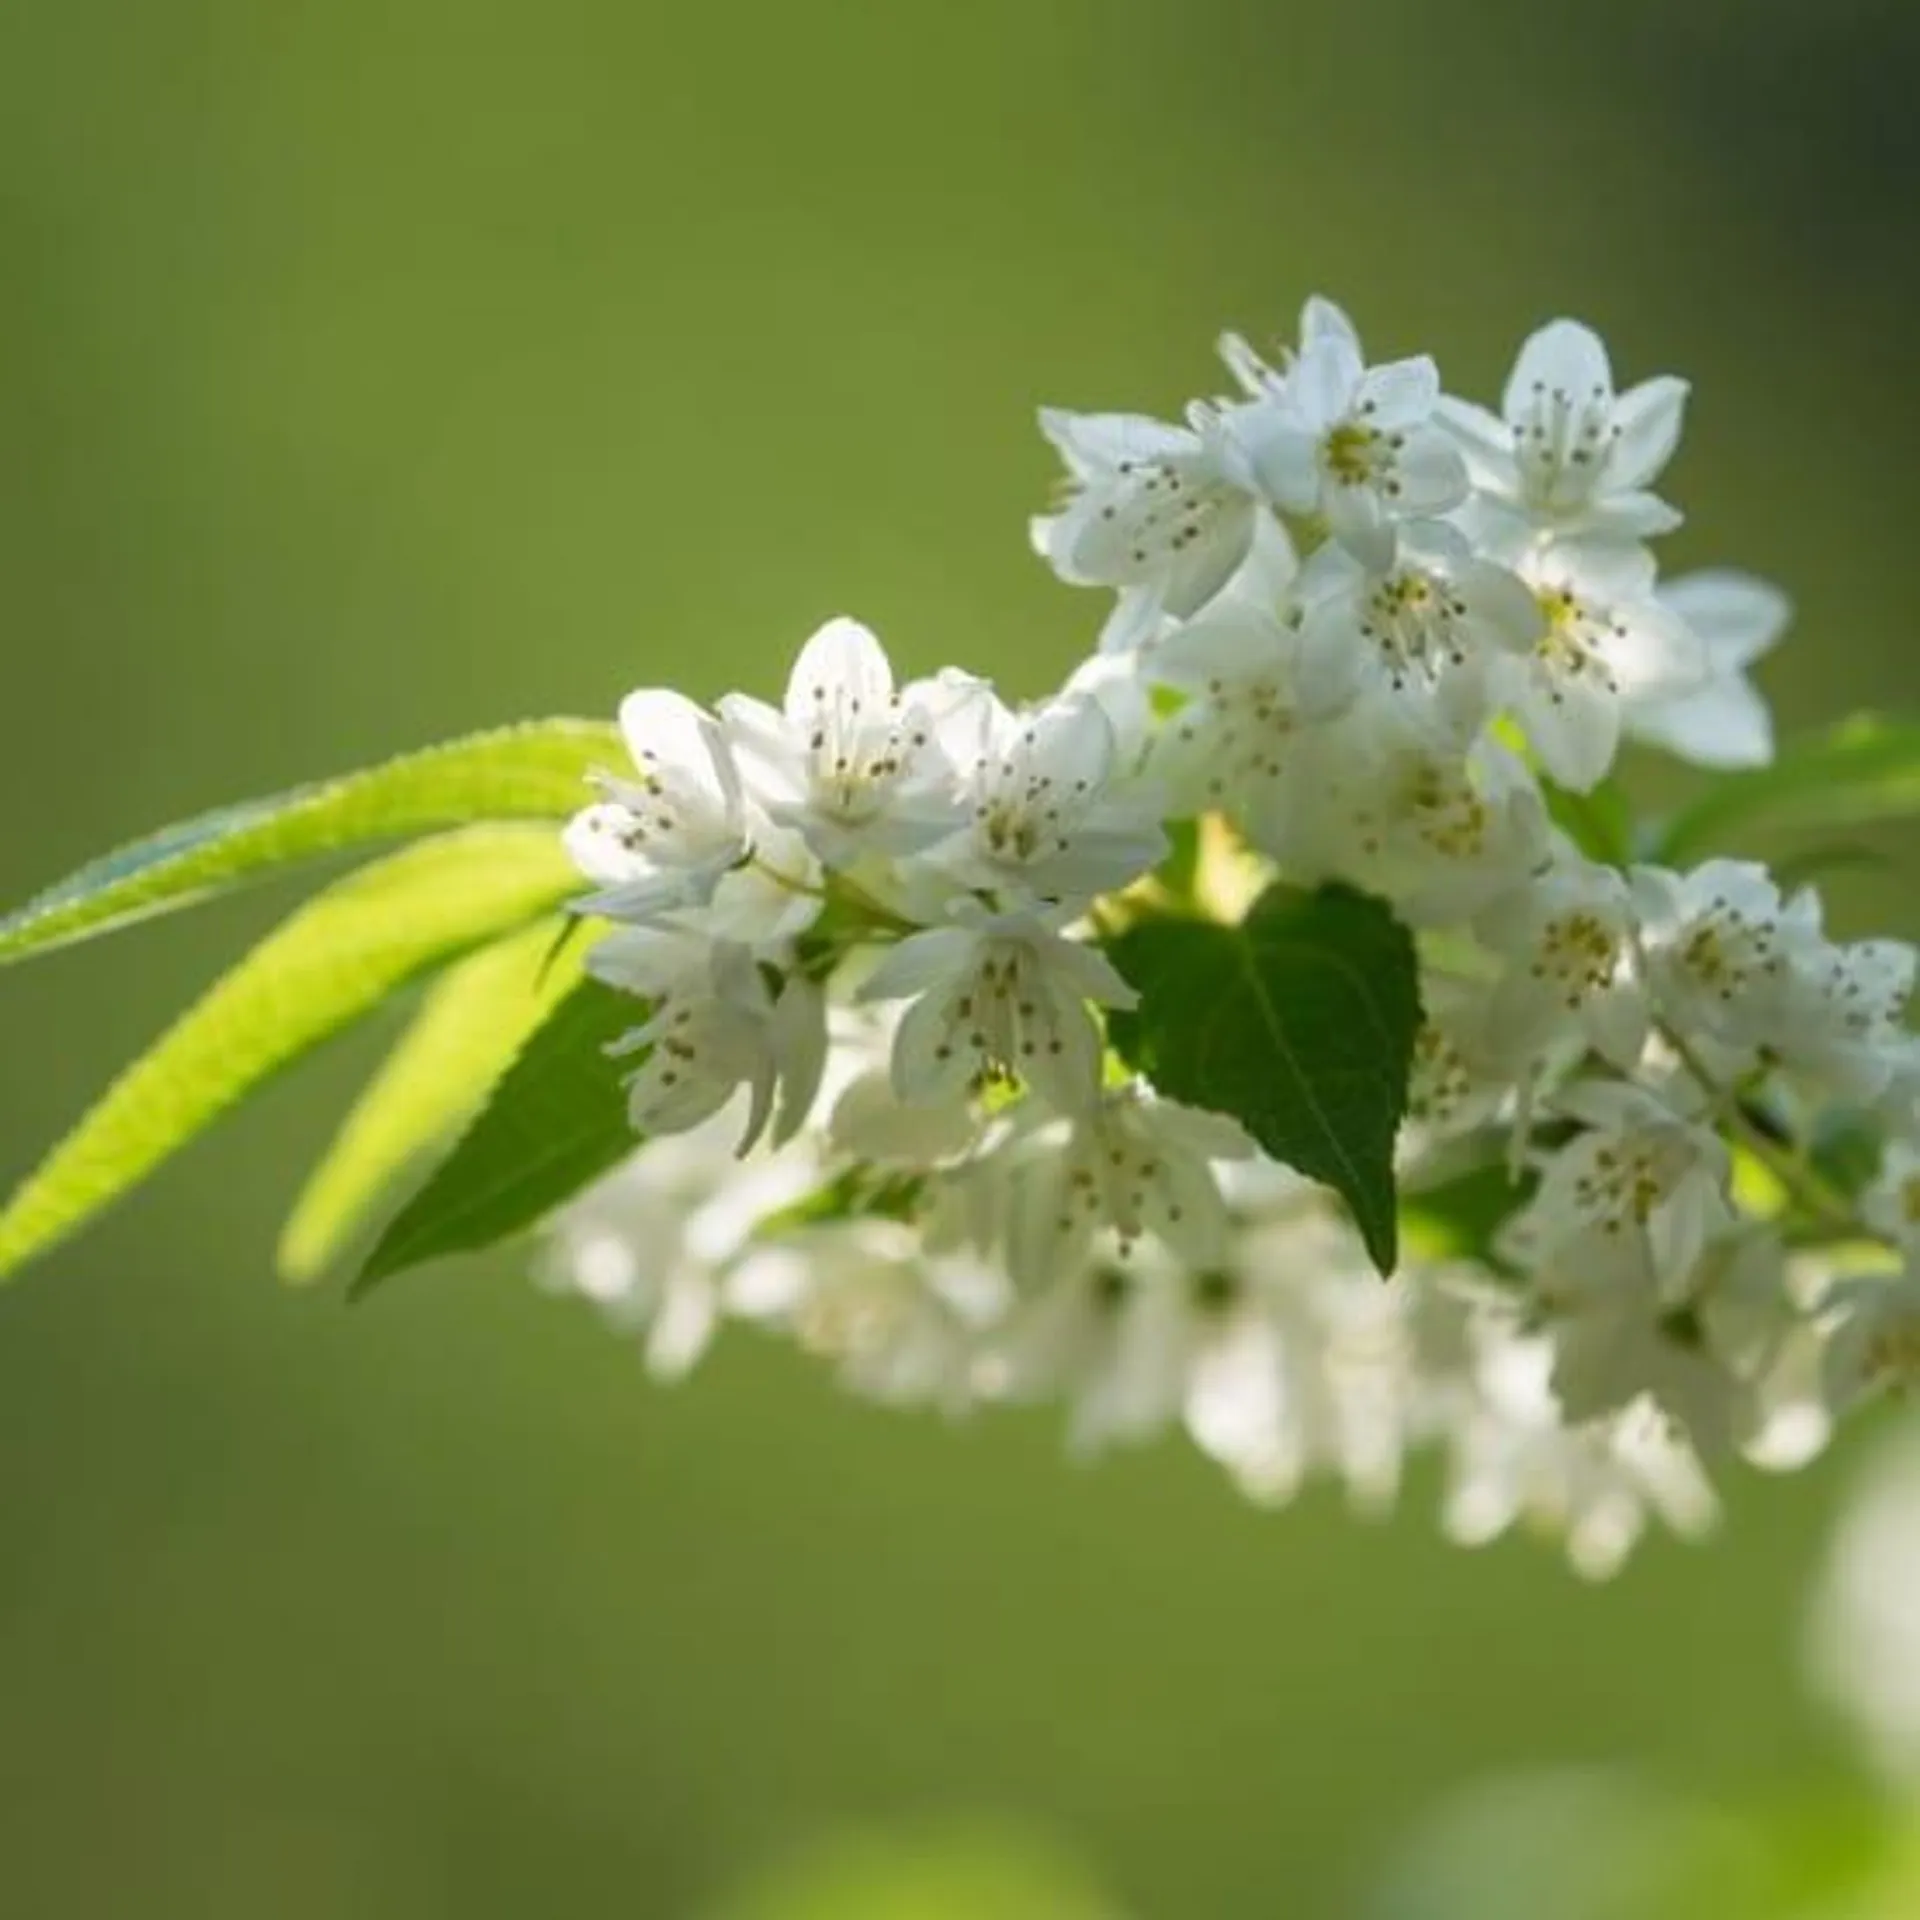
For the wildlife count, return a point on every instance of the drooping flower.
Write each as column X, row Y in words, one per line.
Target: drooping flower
column 994, row 997
column 1132, row 1165
column 652, row 1243
column 663, row 839
column 714, row 1024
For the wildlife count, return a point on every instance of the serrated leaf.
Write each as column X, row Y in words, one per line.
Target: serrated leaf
column 530, row 772
column 474, row 1019
column 335, row 959
column 1863, row 772
column 556, row 1120
column 1299, row 1022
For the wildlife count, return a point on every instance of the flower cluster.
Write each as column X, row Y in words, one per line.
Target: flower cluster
column 1361, row 632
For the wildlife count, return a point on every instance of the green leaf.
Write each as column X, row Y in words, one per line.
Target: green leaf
column 1863, row 772
column 335, row 959
column 1599, row 823
column 1299, row 1022
column 530, row 772
column 859, row 1192
column 474, row 1020
column 1459, row 1217
column 557, row 1119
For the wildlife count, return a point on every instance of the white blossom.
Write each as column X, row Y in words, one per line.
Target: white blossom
column 1003, row 996
column 664, row 838
column 1165, row 514
column 1047, row 816
column 1609, row 645
column 1723, row 722
column 715, row 1025
column 1364, row 637
column 1358, row 445
column 1565, row 452
column 1567, row 941
column 848, row 761
column 1413, row 641
column 1131, row 1164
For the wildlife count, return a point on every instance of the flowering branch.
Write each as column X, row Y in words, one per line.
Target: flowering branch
column 1096, row 1048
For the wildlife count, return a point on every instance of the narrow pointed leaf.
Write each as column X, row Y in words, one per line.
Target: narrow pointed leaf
column 473, row 1021
column 1299, row 1022
column 530, row 772
column 335, row 959
column 557, row 1120
column 1860, row 774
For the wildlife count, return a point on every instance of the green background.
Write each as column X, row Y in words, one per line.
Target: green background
column 373, row 371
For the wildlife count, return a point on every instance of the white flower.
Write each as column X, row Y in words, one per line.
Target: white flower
column 1358, row 445
column 1723, row 722
column 1568, row 941
column 1411, row 641
column 1891, row 1204
column 1703, row 1345
column 1049, row 817
column 1439, row 835
column 1565, row 452
column 1132, row 1165
column 1298, row 1356
column 1163, row 513
column 1639, row 1176
column 849, row 762
column 1232, row 745
column 871, row 1123
column 1720, row 945
column 899, row 1328
column 1097, row 1338
column 1845, row 1021
column 663, row 839
column 1462, row 1069
column 1513, row 1456
column 714, row 1025
column 1749, row 979
column 651, row 1244
column 1874, row 1346
column 1256, row 376
column 1609, row 646
column 1003, row 995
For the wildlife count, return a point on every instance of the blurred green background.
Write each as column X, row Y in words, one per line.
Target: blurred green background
column 373, row 371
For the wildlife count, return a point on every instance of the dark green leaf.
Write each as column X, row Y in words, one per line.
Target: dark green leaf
column 533, row 771
column 1299, row 1023
column 556, row 1120
column 471, row 1023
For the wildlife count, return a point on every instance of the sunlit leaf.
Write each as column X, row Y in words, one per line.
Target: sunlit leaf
column 556, row 1120
column 473, row 1021
column 533, row 771
column 335, row 959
